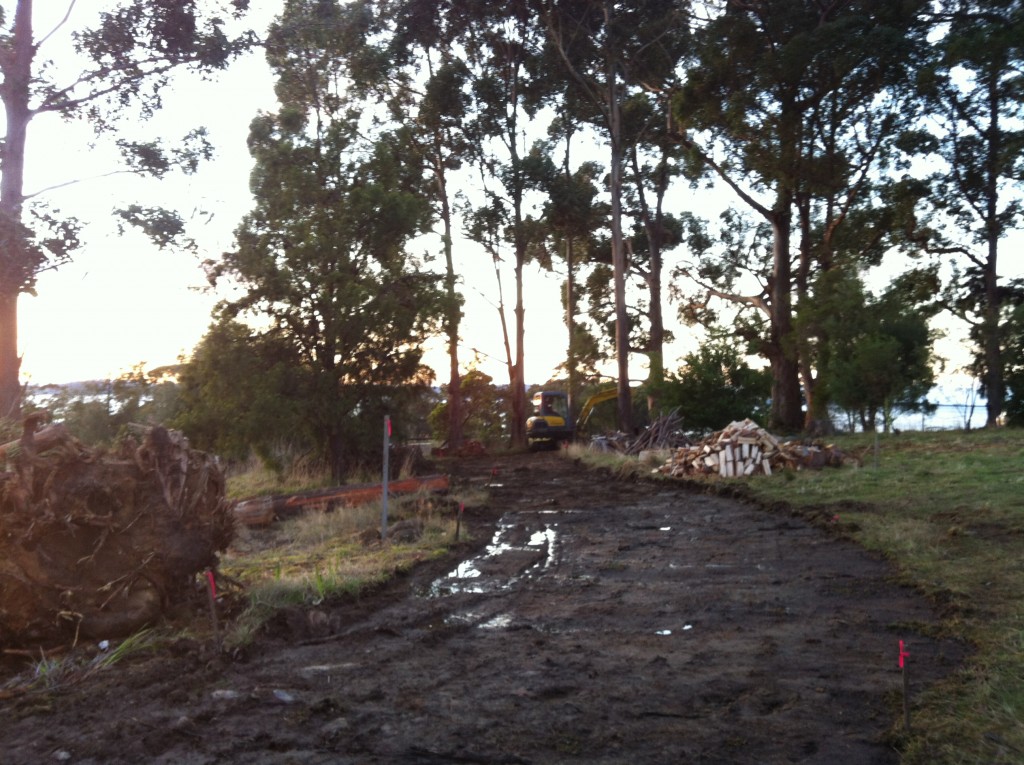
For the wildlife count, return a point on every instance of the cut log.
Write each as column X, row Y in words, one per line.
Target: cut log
column 260, row 511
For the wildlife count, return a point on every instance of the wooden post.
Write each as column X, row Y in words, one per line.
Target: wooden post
column 906, row 687
column 211, row 592
column 384, row 483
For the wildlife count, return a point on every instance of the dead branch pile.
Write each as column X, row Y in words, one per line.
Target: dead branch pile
column 98, row 545
column 666, row 432
column 745, row 448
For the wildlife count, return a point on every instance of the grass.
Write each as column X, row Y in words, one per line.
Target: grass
column 322, row 556
column 255, row 479
column 948, row 510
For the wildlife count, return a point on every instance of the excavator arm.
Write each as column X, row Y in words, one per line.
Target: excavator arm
column 590, row 403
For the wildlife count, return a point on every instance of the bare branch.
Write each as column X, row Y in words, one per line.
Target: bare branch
column 759, row 208
column 62, row 22
column 75, row 181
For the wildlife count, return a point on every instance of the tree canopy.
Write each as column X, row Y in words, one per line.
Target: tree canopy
column 581, row 136
column 323, row 260
column 127, row 59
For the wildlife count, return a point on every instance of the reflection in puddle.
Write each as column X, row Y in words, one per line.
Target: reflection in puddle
column 468, row 577
column 669, row 632
column 497, row 622
column 546, row 537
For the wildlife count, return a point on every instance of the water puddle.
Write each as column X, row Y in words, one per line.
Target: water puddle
column 496, row 622
column 686, row 628
column 510, row 556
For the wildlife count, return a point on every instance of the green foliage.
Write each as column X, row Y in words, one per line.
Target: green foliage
column 797, row 108
column 322, row 259
column 483, row 410
column 876, row 354
column 715, row 387
column 240, row 394
column 972, row 87
column 115, row 71
column 1013, row 357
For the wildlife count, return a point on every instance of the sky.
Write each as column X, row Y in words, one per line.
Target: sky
column 123, row 303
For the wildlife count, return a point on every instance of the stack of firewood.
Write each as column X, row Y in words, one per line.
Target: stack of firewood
column 745, row 448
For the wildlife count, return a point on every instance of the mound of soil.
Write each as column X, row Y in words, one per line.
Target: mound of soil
column 591, row 620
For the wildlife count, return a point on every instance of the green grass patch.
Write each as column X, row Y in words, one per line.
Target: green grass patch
column 317, row 557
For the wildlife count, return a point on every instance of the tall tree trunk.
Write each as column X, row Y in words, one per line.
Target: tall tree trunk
column 786, row 408
column 10, row 360
column 570, row 325
column 571, row 373
column 653, row 221
column 453, row 314
column 17, row 72
column 994, row 387
column 815, row 406
column 787, row 400
column 625, row 402
column 518, row 377
column 509, row 365
column 656, row 353
column 519, row 381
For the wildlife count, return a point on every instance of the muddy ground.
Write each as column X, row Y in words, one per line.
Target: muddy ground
column 593, row 620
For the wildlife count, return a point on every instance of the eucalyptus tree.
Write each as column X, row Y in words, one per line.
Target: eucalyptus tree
column 323, row 258
column 787, row 104
column 572, row 215
column 607, row 48
column 652, row 162
column 411, row 61
column 126, row 61
column 977, row 98
column 508, row 85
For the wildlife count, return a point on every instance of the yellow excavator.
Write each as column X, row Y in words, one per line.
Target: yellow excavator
column 551, row 422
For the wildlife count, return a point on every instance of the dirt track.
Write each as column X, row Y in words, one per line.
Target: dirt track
column 594, row 621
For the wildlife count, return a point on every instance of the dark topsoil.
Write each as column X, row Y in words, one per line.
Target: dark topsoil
column 592, row 620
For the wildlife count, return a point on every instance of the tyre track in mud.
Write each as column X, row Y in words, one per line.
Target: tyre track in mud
column 597, row 621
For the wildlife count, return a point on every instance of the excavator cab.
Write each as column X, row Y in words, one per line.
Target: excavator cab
column 551, row 422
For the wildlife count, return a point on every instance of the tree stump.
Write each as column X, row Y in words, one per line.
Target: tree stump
column 97, row 545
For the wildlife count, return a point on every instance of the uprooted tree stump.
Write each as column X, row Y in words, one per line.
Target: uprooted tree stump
column 97, row 545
